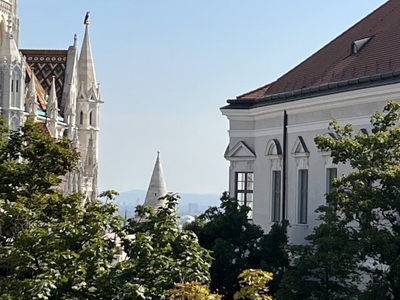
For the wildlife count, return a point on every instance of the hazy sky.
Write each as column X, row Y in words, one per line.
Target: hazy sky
column 166, row 67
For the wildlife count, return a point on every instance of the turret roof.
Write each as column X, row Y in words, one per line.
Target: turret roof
column 157, row 187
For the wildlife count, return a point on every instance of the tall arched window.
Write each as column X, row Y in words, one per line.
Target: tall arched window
column 90, row 118
column 273, row 151
column 81, row 118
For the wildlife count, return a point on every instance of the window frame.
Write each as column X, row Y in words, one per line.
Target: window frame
column 246, row 192
column 302, row 194
column 329, row 178
column 276, row 195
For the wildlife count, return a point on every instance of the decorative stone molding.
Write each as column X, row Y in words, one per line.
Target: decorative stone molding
column 300, row 153
column 273, row 151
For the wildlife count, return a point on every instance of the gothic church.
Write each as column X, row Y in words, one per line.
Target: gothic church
column 57, row 88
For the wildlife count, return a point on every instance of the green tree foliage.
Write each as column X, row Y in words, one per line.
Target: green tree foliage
column 271, row 254
column 192, row 291
column 253, row 285
column 160, row 253
column 324, row 268
column 236, row 244
column 360, row 231
column 51, row 247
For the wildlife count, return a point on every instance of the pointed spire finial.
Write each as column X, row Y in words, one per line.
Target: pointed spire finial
column 32, row 83
column 75, row 39
column 86, row 71
column 52, row 102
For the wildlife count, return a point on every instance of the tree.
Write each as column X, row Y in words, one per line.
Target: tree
column 271, row 254
column 192, row 291
column 326, row 267
column 369, row 197
column 236, row 244
column 253, row 285
column 362, row 220
column 161, row 254
column 51, row 247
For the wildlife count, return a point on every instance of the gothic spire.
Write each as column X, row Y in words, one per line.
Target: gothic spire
column 9, row 50
column 157, row 187
column 31, row 100
column 52, row 102
column 86, row 72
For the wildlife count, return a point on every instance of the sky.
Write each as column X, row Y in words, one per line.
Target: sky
column 166, row 67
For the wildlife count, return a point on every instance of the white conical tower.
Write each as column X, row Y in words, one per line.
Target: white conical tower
column 157, row 187
column 87, row 76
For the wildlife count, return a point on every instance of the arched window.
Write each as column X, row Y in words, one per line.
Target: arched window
column 81, row 118
column 273, row 151
column 90, row 118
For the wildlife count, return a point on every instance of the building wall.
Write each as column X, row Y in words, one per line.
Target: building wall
column 306, row 118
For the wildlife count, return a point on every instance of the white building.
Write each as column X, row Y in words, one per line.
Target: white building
column 275, row 167
column 58, row 89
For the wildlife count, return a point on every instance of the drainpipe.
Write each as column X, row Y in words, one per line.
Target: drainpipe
column 284, row 165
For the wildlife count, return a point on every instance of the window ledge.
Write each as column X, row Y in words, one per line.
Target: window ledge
column 300, row 225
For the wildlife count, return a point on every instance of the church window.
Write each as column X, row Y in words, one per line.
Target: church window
column 12, row 85
column 244, row 190
column 17, row 86
column 90, row 118
column 81, row 118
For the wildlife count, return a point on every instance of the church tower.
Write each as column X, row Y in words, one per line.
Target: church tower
column 12, row 80
column 87, row 113
column 8, row 10
column 61, row 94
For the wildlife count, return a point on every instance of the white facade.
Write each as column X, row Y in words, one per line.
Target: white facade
column 275, row 166
column 256, row 135
column 64, row 99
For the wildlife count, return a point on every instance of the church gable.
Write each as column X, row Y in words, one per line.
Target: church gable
column 240, row 152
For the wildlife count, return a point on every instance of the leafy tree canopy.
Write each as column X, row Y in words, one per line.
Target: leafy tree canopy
column 360, row 229
column 51, row 247
column 237, row 244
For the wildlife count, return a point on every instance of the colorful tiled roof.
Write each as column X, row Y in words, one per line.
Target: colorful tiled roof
column 335, row 62
column 46, row 64
column 41, row 95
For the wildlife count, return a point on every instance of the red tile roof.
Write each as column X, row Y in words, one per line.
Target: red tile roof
column 255, row 93
column 335, row 62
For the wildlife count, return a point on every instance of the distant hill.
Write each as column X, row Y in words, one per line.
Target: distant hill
column 189, row 204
